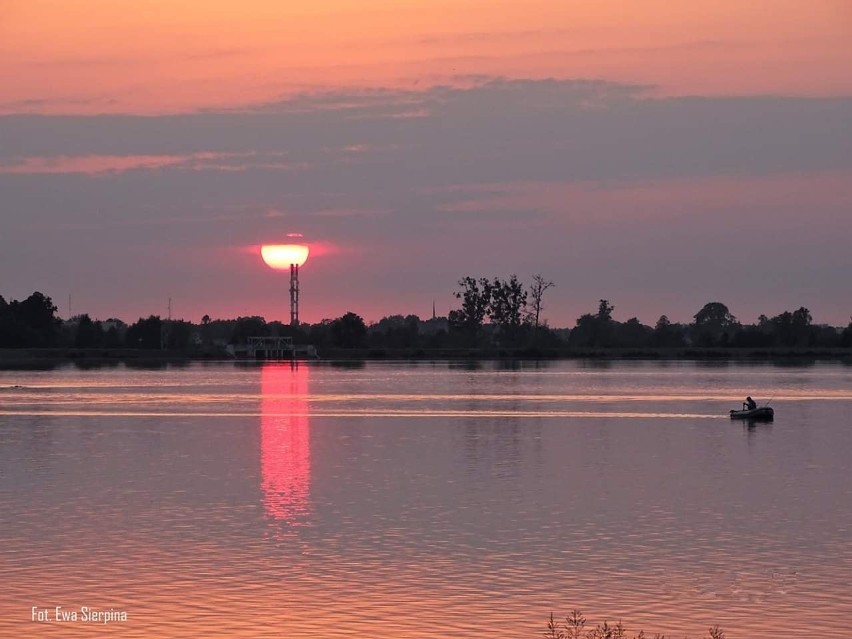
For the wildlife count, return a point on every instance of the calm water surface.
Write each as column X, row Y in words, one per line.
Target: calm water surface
column 425, row 500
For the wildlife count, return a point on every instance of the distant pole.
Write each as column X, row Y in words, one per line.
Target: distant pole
column 294, row 295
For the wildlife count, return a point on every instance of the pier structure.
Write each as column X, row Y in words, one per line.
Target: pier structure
column 274, row 349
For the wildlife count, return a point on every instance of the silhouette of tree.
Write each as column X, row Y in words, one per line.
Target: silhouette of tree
column 395, row 331
column 319, row 334
column 714, row 325
column 39, row 313
column 246, row 327
column 88, row 334
column 348, row 331
column 594, row 330
column 205, row 329
column 583, row 333
column 508, row 302
column 789, row 328
column 666, row 334
column 30, row 323
column 145, row 333
column 537, row 289
column 112, row 338
column 714, row 314
column 298, row 332
column 753, row 336
column 801, row 325
column 846, row 335
column 178, row 335
column 662, row 332
column 476, row 302
column 8, row 325
column 631, row 334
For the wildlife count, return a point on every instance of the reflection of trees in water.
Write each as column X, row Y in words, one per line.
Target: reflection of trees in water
column 509, row 365
column 346, row 364
column 465, row 365
column 602, row 364
column 28, row 365
column 713, row 363
column 155, row 364
column 523, row 364
column 798, row 363
column 493, row 446
column 87, row 364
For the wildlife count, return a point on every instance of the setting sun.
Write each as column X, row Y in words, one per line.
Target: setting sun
column 281, row 256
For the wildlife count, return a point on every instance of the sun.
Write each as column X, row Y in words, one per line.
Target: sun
column 282, row 256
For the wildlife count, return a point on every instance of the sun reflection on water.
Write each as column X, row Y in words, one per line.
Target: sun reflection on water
column 285, row 447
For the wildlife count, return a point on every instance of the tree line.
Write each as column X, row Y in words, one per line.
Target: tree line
column 492, row 313
column 514, row 315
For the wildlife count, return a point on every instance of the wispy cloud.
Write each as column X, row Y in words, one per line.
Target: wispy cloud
column 39, row 104
column 89, row 164
column 103, row 165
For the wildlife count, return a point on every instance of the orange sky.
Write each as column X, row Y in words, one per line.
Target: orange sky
column 179, row 55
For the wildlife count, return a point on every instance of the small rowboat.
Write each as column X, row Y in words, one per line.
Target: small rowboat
column 762, row 412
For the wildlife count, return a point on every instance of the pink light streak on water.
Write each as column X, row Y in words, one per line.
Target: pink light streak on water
column 285, row 443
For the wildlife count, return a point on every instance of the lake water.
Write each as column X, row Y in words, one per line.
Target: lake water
column 426, row 500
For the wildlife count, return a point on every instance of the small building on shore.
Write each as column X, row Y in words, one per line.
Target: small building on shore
column 272, row 349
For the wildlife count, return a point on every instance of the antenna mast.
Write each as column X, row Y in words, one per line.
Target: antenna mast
column 294, row 294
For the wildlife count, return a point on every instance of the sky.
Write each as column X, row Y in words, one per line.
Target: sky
column 657, row 154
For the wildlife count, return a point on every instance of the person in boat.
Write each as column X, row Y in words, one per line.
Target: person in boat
column 749, row 404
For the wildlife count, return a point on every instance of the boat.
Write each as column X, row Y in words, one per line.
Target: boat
column 762, row 412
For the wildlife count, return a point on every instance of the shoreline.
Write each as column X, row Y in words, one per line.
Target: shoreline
column 101, row 356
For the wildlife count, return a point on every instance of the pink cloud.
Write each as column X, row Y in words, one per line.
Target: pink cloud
column 89, row 164
column 111, row 164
